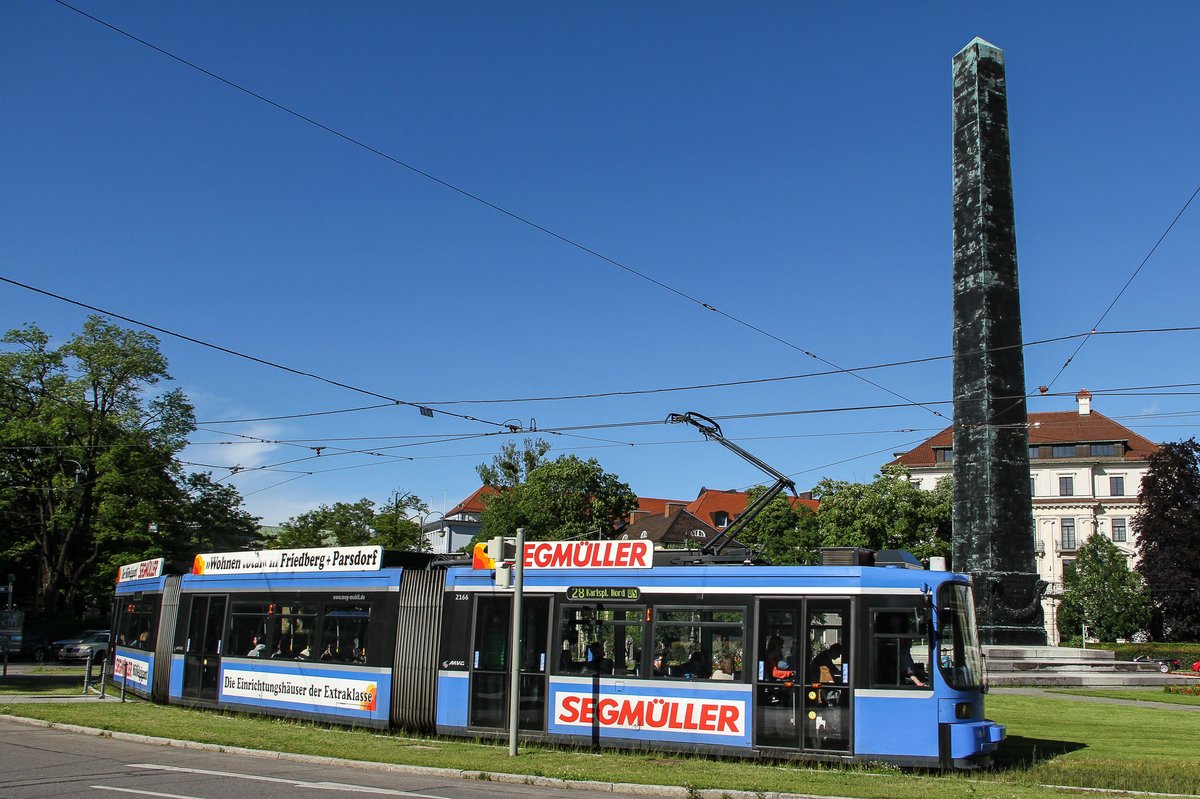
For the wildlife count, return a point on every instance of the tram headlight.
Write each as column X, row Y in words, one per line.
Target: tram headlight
column 964, row 710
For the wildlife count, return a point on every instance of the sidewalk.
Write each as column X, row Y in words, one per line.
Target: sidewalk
column 1101, row 700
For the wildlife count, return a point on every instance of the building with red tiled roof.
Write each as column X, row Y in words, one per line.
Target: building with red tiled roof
column 1085, row 472
column 462, row 522
column 673, row 528
column 455, row 530
column 472, row 506
column 721, row 508
column 665, row 521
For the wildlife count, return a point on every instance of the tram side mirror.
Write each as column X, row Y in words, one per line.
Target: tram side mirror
column 923, row 622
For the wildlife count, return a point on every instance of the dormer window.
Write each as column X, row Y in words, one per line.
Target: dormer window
column 720, row 520
column 945, row 455
column 1104, row 450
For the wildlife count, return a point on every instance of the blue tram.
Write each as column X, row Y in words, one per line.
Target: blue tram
column 621, row 647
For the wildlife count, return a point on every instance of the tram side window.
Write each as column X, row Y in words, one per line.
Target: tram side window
column 900, row 649
column 599, row 640
column 345, row 633
column 250, row 628
column 293, row 632
column 699, row 644
column 135, row 627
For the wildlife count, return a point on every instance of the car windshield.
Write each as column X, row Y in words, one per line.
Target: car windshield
column 959, row 657
column 98, row 638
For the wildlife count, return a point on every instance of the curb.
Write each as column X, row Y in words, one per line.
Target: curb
column 427, row 771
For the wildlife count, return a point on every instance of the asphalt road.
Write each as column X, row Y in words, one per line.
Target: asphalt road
column 44, row 763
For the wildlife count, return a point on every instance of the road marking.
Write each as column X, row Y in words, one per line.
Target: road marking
column 145, row 793
column 324, row 786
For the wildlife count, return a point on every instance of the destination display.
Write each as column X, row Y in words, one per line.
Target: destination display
column 300, row 689
column 603, row 594
column 327, row 559
column 146, row 569
column 651, row 713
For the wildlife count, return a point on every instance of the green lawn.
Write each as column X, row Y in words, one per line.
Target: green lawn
column 1052, row 742
column 58, row 682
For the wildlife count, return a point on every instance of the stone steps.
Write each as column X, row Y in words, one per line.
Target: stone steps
column 1066, row 666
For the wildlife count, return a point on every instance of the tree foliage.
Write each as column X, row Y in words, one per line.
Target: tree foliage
column 1103, row 593
column 781, row 534
column 512, row 466
column 88, row 474
column 888, row 513
column 1168, row 535
column 563, row 498
column 351, row 524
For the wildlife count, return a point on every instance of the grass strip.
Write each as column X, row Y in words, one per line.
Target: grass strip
column 52, row 685
column 1052, row 742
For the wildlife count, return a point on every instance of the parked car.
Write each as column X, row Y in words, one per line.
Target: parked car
column 1165, row 664
column 94, row 646
column 56, row 647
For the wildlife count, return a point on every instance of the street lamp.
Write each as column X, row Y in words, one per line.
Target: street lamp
column 426, row 521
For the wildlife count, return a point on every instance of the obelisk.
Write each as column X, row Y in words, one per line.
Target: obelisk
column 993, row 537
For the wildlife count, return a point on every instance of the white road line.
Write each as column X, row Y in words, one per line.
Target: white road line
column 323, row 786
column 145, row 793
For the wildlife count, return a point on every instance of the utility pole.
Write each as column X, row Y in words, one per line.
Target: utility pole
column 11, row 622
column 514, row 693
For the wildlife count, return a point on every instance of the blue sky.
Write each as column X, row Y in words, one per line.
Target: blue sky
column 786, row 163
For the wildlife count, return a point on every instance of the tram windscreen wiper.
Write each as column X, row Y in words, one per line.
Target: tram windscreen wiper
column 712, row 431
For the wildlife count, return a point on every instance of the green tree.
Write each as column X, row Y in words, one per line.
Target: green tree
column 512, row 466
column 1103, row 593
column 87, row 461
column 349, row 524
column 1168, row 535
column 888, row 513
column 344, row 524
column 563, row 498
column 781, row 534
column 394, row 524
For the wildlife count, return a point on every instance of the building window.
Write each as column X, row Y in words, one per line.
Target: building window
column 720, row 520
column 1120, row 532
column 1035, row 452
column 1116, row 486
column 1068, row 567
column 1066, row 485
column 1063, row 451
column 1032, row 487
column 1103, row 450
column 1067, row 535
column 944, row 455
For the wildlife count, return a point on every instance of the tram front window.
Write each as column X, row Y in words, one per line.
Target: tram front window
column 959, row 656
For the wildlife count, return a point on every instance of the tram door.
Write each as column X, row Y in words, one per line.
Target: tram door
column 202, row 649
column 490, row 664
column 801, row 691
